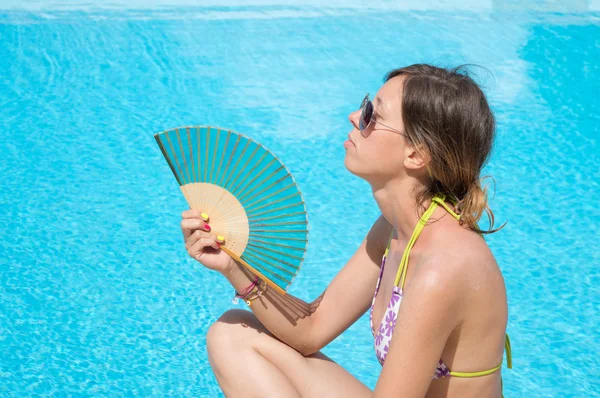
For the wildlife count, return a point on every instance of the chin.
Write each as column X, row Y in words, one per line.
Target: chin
column 364, row 170
column 353, row 165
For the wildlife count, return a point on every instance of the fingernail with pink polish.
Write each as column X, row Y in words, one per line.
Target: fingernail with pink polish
column 207, row 227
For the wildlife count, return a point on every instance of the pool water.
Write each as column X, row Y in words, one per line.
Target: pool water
column 97, row 294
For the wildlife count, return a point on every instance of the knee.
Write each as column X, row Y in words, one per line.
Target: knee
column 228, row 332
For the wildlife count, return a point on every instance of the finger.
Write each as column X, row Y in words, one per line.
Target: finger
column 197, row 249
column 195, row 237
column 193, row 224
column 188, row 226
column 191, row 213
column 194, row 213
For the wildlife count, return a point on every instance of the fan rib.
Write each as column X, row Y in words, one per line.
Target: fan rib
column 187, row 130
column 234, row 169
column 223, row 192
column 205, row 168
column 274, row 251
column 162, row 149
column 267, row 270
column 234, row 217
column 227, row 213
column 198, row 153
column 262, row 260
column 242, row 191
column 264, row 198
column 191, row 148
column 226, row 171
column 219, row 168
column 274, row 210
column 231, row 211
column 216, row 205
column 179, row 170
column 280, row 231
column 234, row 190
column 183, row 154
column 223, row 157
column 277, row 237
column 202, row 200
column 261, row 254
column 297, row 193
column 241, row 168
column 243, row 197
column 275, row 217
column 212, row 164
column 269, row 196
column 279, row 224
column 279, row 245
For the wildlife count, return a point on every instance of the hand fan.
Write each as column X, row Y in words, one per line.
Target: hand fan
column 249, row 195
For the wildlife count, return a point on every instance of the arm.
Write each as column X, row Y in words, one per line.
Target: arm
column 308, row 327
column 430, row 311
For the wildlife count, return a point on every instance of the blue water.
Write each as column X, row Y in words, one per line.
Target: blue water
column 97, row 294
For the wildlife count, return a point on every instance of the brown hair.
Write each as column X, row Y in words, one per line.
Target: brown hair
column 446, row 114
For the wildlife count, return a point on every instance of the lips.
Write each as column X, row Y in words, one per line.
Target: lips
column 351, row 140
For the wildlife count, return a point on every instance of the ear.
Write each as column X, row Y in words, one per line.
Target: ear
column 416, row 157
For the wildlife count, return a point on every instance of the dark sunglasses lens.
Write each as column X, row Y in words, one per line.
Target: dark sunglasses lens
column 365, row 115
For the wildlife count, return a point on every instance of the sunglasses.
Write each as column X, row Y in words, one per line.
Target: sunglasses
column 366, row 117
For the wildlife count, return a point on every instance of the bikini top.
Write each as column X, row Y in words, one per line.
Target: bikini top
column 384, row 333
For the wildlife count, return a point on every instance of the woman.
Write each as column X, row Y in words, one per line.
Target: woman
column 437, row 300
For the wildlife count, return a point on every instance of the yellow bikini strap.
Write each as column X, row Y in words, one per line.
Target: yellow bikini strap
column 401, row 275
column 508, row 349
column 454, row 201
column 440, row 200
column 492, row 370
column 477, row 374
column 387, row 248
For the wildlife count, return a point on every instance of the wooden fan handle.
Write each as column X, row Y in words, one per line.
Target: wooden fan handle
column 253, row 270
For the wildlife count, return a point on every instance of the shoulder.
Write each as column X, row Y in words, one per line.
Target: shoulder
column 461, row 249
column 458, row 262
column 437, row 290
column 440, row 275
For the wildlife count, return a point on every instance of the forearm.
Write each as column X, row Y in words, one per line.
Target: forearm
column 287, row 317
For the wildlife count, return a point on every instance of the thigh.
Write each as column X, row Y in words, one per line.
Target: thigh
column 313, row 376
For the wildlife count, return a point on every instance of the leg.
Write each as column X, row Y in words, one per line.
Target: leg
column 249, row 361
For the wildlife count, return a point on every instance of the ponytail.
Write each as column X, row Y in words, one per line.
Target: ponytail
column 472, row 206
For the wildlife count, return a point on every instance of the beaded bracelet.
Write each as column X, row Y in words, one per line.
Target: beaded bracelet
column 245, row 292
column 258, row 292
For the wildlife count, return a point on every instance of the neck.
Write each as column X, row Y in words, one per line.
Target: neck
column 398, row 204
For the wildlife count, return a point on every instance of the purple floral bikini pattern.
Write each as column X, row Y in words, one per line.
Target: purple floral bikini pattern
column 379, row 335
column 442, row 371
column 383, row 334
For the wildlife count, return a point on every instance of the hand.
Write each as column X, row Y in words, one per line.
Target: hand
column 201, row 245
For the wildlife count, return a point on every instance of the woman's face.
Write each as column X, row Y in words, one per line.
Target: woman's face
column 379, row 156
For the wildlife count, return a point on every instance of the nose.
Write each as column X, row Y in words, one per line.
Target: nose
column 353, row 118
